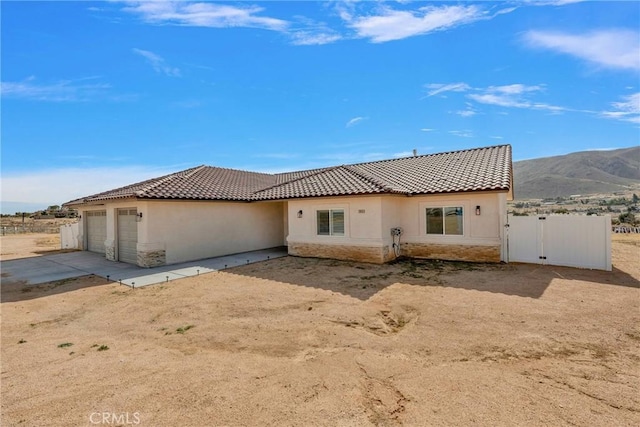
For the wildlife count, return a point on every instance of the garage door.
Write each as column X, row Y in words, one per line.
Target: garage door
column 127, row 235
column 96, row 230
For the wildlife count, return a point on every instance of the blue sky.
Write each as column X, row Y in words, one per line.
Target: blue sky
column 97, row 95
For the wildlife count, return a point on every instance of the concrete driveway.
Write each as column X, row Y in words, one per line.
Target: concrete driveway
column 50, row 268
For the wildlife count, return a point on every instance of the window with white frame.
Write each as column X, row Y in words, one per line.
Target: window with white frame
column 446, row 220
column 330, row 222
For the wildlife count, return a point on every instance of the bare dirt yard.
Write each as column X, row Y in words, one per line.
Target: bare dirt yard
column 306, row 342
column 14, row 246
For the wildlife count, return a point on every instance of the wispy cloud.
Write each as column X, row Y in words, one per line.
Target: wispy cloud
column 513, row 96
column 355, row 121
column 78, row 90
column 307, row 37
column 615, row 48
column 438, row 88
column 427, row 130
column 390, row 24
column 627, row 110
column 157, row 62
column 306, row 31
column 203, row 14
column 462, row 133
column 469, row 111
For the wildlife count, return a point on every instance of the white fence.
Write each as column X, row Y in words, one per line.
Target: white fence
column 69, row 236
column 569, row 240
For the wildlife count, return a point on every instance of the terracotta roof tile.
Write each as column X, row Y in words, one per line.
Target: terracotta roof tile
column 479, row 169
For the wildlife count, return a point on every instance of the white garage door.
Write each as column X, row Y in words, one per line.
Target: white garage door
column 127, row 235
column 96, row 230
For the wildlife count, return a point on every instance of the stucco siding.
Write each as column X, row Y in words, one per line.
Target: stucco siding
column 195, row 230
column 369, row 219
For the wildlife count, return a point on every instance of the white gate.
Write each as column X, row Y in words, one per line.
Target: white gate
column 570, row 240
column 69, row 236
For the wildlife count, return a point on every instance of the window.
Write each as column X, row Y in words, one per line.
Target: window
column 445, row 220
column 330, row 222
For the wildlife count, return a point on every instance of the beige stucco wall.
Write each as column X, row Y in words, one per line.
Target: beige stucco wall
column 369, row 219
column 195, row 230
column 186, row 230
column 363, row 238
column 178, row 231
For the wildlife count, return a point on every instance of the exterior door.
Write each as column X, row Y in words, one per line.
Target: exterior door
column 96, row 230
column 127, row 236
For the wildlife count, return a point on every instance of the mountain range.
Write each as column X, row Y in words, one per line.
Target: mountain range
column 584, row 172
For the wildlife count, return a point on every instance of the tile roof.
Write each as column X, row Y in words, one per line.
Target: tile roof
column 479, row 169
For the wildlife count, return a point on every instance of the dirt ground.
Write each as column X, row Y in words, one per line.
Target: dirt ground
column 14, row 246
column 306, row 342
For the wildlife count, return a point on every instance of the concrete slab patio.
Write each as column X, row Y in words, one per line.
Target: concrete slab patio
column 50, row 268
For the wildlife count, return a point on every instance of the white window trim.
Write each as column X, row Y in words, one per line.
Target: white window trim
column 330, row 208
column 449, row 204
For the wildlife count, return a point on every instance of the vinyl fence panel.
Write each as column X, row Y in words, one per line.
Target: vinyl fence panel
column 69, row 236
column 567, row 240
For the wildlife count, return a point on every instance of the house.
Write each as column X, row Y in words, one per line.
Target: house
column 449, row 206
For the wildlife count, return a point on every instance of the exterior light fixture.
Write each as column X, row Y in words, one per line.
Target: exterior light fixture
column 300, row 213
column 478, row 210
column 139, row 217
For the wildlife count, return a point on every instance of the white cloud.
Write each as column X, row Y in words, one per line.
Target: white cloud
column 513, row 96
column 392, row 24
column 469, row 111
column 615, row 48
column 462, row 133
column 61, row 91
column 203, row 14
column 355, row 121
column 437, row 88
column 306, row 38
column 427, row 130
column 71, row 183
column 157, row 62
column 403, row 154
column 627, row 110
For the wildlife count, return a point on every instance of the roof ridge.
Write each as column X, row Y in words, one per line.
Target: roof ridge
column 431, row 154
column 192, row 171
column 188, row 173
column 317, row 172
column 372, row 179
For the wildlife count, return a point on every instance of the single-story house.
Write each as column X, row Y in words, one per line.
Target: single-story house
column 449, row 206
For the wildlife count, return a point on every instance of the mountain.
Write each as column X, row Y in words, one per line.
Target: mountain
column 585, row 172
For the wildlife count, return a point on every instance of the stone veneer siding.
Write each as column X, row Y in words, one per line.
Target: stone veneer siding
column 373, row 254
column 110, row 252
column 152, row 258
column 473, row 253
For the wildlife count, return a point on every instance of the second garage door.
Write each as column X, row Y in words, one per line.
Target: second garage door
column 127, row 235
column 96, row 230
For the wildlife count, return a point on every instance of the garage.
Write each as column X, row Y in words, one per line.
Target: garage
column 96, row 230
column 128, row 236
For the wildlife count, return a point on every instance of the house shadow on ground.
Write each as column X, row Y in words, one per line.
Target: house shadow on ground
column 363, row 280
column 15, row 291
